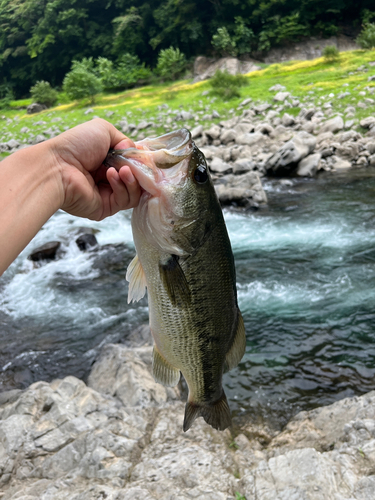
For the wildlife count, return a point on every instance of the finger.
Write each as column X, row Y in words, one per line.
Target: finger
column 119, row 199
column 132, row 185
column 124, row 144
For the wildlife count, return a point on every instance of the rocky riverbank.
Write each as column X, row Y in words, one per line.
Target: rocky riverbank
column 120, row 437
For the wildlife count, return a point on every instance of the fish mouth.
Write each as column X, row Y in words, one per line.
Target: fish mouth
column 155, row 160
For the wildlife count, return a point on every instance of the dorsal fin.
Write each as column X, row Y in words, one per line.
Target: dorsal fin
column 137, row 280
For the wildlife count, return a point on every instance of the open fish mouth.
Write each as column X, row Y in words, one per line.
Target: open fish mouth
column 161, row 152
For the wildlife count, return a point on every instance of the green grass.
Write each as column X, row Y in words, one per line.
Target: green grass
column 314, row 79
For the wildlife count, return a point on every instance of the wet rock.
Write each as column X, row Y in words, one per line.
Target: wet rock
column 45, row 252
column 86, row 241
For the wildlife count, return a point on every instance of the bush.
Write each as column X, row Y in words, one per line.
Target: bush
column 171, row 63
column 130, row 71
column 331, row 53
column 223, row 43
column 6, row 95
column 43, row 93
column 226, row 86
column 366, row 39
column 81, row 81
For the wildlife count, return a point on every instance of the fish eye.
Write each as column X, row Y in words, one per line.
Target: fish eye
column 200, row 174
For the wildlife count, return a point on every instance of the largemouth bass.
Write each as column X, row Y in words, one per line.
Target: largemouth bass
column 184, row 259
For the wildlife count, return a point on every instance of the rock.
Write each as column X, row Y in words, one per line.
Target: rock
column 219, row 166
column 287, row 120
column 290, row 154
column 245, row 190
column 88, row 111
column 371, row 147
column 86, row 241
column 261, row 108
column 63, row 440
column 281, row 96
column 39, row 138
column 333, row 125
column 13, row 144
column 309, row 165
column 35, row 108
column 213, row 132
column 371, row 160
column 277, row 88
column 228, row 135
column 250, row 139
column 205, row 67
column 122, row 372
column 196, row 131
column 45, row 252
column 242, row 165
column 368, row 122
column 245, row 102
column 340, row 163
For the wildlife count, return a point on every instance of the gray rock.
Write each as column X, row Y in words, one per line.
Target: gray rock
column 333, row 125
column 45, row 252
column 244, row 190
column 242, row 165
column 309, row 166
column 228, row 135
column 277, row 88
column 290, row 154
column 196, row 131
column 340, row 163
column 261, row 108
column 371, row 147
column 368, row 122
column 219, row 166
column 250, row 139
column 88, row 111
column 35, row 107
column 287, row 120
column 13, row 144
column 281, row 96
column 213, row 132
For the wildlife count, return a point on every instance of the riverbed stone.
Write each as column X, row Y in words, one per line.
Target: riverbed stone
column 333, row 125
column 309, row 166
column 286, row 159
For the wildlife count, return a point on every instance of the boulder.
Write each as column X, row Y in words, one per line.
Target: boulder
column 286, row 159
column 333, row 125
column 206, row 67
column 281, row 96
column 309, row 165
column 250, row 139
column 245, row 190
column 368, row 122
column 86, row 241
column 219, row 166
column 35, row 107
column 45, row 252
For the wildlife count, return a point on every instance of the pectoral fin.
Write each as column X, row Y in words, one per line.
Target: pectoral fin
column 137, row 280
column 237, row 350
column 164, row 372
column 174, row 281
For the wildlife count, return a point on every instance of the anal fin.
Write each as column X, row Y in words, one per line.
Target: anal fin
column 164, row 372
column 137, row 280
column 237, row 350
column 216, row 414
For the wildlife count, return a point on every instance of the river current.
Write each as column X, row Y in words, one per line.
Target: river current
column 305, row 276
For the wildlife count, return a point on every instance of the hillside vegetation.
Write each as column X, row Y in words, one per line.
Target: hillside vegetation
column 153, row 110
column 39, row 39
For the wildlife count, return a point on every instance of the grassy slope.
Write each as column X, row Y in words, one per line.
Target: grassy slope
column 310, row 81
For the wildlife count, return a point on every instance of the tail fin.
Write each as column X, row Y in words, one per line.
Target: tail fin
column 216, row 414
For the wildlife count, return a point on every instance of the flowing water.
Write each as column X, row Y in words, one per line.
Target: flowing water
column 305, row 275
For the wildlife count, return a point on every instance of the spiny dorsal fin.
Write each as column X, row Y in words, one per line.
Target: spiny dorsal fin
column 174, row 281
column 164, row 372
column 237, row 350
column 216, row 414
column 137, row 280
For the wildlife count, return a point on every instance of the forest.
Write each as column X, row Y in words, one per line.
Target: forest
column 39, row 39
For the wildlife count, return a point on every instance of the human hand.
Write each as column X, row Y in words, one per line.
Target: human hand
column 89, row 189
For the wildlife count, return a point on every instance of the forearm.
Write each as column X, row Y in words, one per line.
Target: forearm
column 30, row 193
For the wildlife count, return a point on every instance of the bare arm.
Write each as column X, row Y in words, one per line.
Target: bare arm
column 64, row 172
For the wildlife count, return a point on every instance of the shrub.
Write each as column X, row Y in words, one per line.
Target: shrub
column 366, row 39
column 226, row 86
column 171, row 63
column 243, row 36
column 129, row 71
column 6, row 95
column 43, row 93
column 81, row 81
column 106, row 72
column 331, row 53
column 223, row 43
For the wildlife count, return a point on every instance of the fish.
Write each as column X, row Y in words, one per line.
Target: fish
column 185, row 261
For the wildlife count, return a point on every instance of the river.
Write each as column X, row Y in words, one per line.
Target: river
column 305, row 275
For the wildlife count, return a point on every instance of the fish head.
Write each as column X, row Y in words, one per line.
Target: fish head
column 178, row 198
